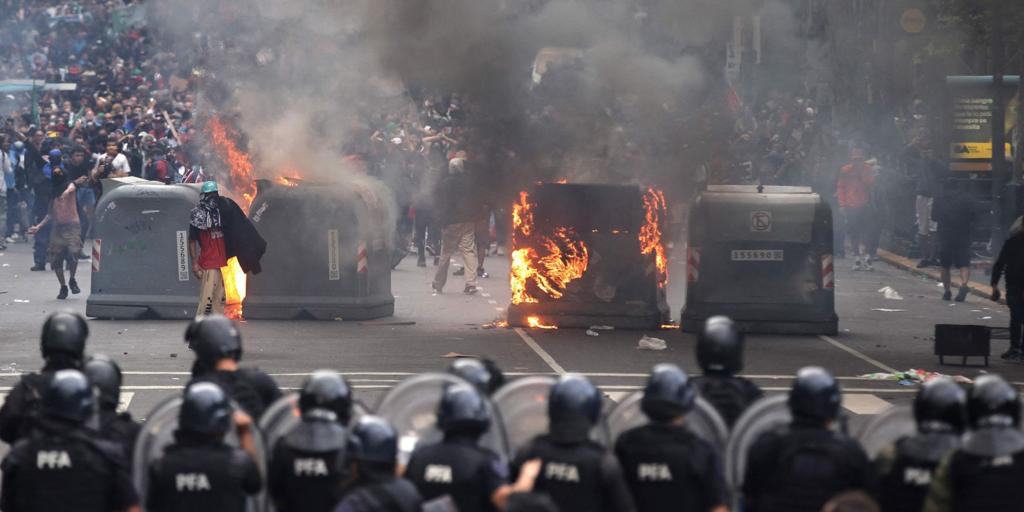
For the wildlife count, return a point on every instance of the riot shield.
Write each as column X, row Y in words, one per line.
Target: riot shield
column 523, row 405
column 763, row 416
column 886, row 428
column 703, row 420
column 281, row 417
column 411, row 407
column 158, row 432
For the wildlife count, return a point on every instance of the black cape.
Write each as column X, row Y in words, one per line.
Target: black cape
column 241, row 239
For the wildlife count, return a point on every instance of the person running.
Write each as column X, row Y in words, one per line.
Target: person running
column 65, row 233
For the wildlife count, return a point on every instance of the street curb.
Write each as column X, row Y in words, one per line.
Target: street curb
column 976, row 288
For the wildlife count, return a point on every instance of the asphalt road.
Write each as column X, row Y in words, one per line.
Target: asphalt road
column 428, row 329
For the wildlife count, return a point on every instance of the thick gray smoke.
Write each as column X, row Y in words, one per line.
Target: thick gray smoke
column 300, row 79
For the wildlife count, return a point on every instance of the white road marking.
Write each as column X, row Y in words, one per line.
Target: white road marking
column 543, row 354
column 859, row 403
column 858, row 354
column 124, row 401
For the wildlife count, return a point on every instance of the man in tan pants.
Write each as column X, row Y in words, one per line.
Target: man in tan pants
column 208, row 252
column 458, row 209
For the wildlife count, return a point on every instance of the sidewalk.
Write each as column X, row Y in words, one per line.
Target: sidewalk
column 977, row 288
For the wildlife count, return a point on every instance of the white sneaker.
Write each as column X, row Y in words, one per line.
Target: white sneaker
column 12, row 239
column 868, row 267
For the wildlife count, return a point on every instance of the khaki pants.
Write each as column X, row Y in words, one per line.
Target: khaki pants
column 211, row 293
column 457, row 237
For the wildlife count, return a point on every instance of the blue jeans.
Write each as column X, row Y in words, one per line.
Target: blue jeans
column 13, row 212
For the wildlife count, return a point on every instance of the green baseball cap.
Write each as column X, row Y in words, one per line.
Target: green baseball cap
column 209, row 186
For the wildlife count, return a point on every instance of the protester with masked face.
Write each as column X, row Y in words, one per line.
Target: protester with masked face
column 65, row 230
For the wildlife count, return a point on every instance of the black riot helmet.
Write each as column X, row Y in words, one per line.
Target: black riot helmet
column 720, row 346
column 69, row 397
column 815, row 395
column 374, row 441
column 104, row 375
column 668, row 393
column 64, row 332
column 941, row 405
column 993, row 402
column 574, row 398
column 482, row 373
column 326, row 390
column 214, row 337
column 463, row 410
column 205, row 410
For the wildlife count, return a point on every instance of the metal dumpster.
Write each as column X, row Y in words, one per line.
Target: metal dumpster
column 328, row 251
column 140, row 261
column 762, row 256
column 585, row 254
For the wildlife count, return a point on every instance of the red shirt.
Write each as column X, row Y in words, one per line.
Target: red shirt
column 212, row 252
column 854, row 186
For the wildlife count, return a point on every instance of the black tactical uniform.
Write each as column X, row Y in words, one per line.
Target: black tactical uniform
column 720, row 355
column 214, row 338
column 800, row 467
column 484, row 374
column 578, row 474
column 458, row 467
column 62, row 344
column 61, row 465
column 199, row 472
column 667, row 466
column 307, row 465
column 374, row 450
column 986, row 473
column 120, row 428
column 905, row 470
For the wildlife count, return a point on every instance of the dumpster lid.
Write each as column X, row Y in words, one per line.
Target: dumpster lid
column 752, row 189
column 742, row 214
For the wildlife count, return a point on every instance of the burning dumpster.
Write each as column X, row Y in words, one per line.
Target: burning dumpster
column 588, row 254
column 762, row 256
column 140, row 261
column 328, row 251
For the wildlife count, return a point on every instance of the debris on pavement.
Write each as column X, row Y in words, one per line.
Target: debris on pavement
column 22, row 301
column 649, row 343
column 913, row 376
column 456, row 355
column 887, row 310
column 890, row 293
column 591, row 332
column 601, row 328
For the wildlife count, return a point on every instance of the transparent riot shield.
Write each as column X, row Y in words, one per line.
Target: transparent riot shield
column 523, row 404
column 763, row 416
column 411, row 407
column 703, row 420
column 887, row 428
column 158, row 432
column 281, row 417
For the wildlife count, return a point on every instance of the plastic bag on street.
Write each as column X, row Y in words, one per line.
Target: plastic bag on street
column 889, row 293
column 649, row 343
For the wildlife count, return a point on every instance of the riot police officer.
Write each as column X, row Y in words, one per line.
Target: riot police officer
column 119, row 427
column 798, row 468
column 720, row 356
column 199, row 472
column 986, row 472
column 578, row 474
column 666, row 465
column 218, row 346
column 307, row 465
column 905, row 469
column 473, row 477
column 60, row 465
column 482, row 373
column 62, row 344
column 374, row 487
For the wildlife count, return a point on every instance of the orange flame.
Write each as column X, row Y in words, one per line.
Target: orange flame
column 550, row 264
column 534, row 323
column 242, row 186
column 288, row 182
column 650, row 233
